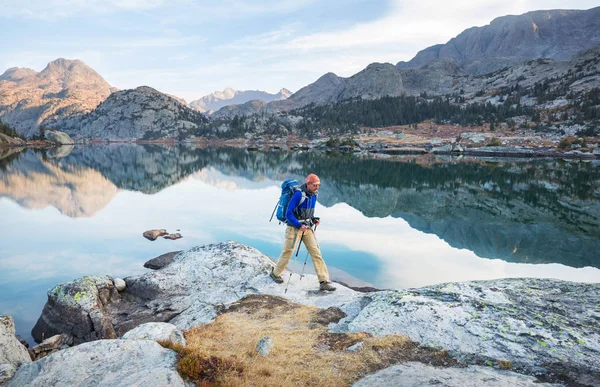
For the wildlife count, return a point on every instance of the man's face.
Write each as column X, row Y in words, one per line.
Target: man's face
column 313, row 187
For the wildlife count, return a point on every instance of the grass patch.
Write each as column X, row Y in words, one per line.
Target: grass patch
column 304, row 352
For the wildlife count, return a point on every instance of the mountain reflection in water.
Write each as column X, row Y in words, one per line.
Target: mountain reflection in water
column 546, row 211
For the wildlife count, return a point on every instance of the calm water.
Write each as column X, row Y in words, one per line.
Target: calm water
column 387, row 223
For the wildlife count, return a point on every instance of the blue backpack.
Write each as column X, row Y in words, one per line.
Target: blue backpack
column 288, row 187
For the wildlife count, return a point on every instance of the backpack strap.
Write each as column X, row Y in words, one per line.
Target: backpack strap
column 302, row 199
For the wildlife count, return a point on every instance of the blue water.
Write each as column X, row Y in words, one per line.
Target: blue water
column 398, row 223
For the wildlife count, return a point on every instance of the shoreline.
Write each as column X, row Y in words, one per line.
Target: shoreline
column 507, row 152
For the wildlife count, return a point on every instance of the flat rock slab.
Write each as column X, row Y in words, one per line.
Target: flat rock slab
column 540, row 326
column 418, row 374
column 103, row 363
column 204, row 279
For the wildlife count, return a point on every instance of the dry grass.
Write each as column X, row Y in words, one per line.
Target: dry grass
column 504, row 364
column 304, row 352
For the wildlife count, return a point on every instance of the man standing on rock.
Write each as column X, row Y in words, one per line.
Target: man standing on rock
column 300, row 219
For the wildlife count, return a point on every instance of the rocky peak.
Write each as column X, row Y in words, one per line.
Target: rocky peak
column 137, row 113
column 320, row 91
column 375, row 81
column 219, row 99
column 509, row 40
column 71, row 73
column 64, row 88
column 283, row 94
column 227, row 93
column 15, row 74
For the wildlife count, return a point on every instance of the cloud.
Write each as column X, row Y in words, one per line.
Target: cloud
column 175, row 10
column 413, row 23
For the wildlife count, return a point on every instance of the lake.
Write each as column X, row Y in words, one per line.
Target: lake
column 387, row 222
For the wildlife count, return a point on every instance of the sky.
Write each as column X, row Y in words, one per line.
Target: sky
column 192, row 48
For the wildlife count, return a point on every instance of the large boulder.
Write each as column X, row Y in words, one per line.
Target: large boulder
column 58, row 137
column 103, row 363
column 11, row 350
column 78, row 308
column 537, row 325
column 161, row 261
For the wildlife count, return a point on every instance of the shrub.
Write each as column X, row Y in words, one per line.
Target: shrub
column 202, row 368
column 494, row 142
column 564, row 143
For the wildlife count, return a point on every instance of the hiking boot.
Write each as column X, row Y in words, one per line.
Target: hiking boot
column 326, row 286
column 276, row 278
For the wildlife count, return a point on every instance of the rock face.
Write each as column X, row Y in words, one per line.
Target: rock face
column 64, row 88
column 218, row 99
column 11, row 350
column 376, row 81
column 103, row 363
column 509, row 40
column 538, row 325
column 79, row 309
column 141, row 113
column 413, row 374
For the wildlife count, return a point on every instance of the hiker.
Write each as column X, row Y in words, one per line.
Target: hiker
column 300, row 220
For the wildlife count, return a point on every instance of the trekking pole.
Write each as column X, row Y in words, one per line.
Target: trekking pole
column 288, row 283
column 302, row 237
column 306, row 258
column 273, row 213
column 290, row 278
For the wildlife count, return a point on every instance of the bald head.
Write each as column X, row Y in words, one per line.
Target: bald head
column 312, row 178
column 313, row 183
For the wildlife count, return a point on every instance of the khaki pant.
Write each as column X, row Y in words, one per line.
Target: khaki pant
column 289, row 246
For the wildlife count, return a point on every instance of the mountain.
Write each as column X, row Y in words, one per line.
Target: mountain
column 134, row 114
column 229, row 96
column 64, row 88
column 510, row 40
column 376, row 81
column 536, row 47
